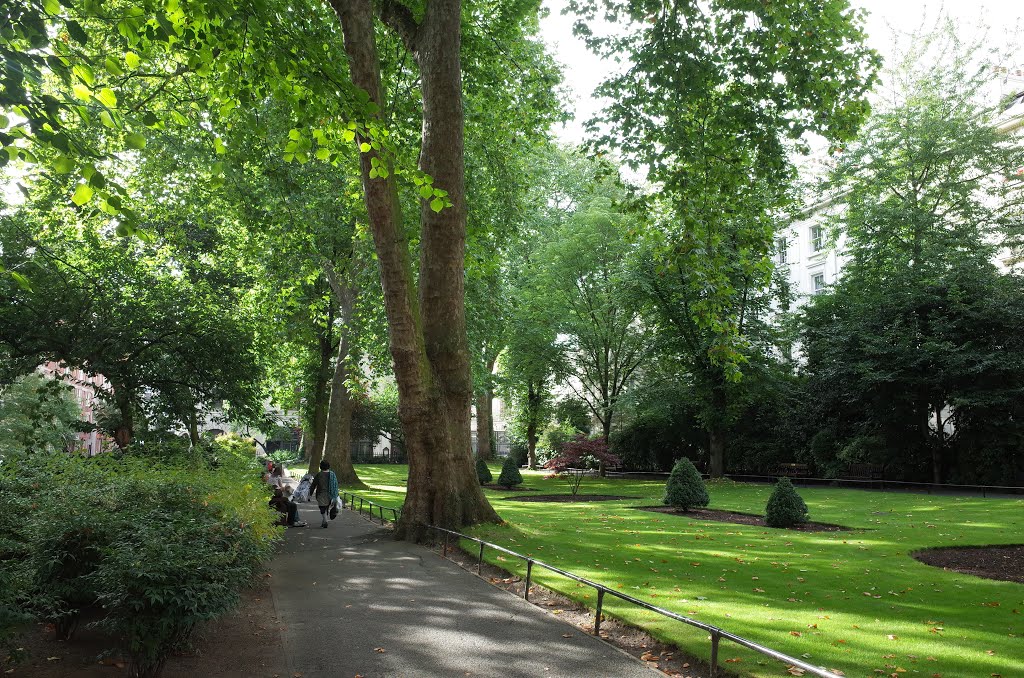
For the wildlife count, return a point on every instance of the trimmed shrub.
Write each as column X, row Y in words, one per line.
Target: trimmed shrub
column 685, row 488
column 785, row 507
column 510, row 475
column 482, row 472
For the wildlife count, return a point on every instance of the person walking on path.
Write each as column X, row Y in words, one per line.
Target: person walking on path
column 325, row 488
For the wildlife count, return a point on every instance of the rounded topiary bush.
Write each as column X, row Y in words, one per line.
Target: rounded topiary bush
column 510, row 474
column 482, row 472
column 785, row 507
column 685, row 488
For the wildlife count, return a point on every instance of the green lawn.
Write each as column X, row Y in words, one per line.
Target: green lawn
column 853, row 601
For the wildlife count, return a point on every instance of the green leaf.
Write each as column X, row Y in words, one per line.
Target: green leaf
column 51, row 7
column 81, row 91
column 132, row 59
column 107, row 97
column 135, row 140
column 426, row 192
column 348, row 135
column 76, row 31
column 22, row 281
column 107, row 119
column 63, row 165
column 82, row 195
column 294, row 134
column 437, row 204
column 4, row 122
column 364, row 147
column 114, row 68
column 323, row 153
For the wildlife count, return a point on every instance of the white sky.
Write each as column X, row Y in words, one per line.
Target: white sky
column 583, row 71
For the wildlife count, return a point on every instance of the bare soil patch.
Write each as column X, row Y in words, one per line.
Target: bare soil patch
column 739, row 518
column 568, row 498
column 246, row 642
column 991, row 562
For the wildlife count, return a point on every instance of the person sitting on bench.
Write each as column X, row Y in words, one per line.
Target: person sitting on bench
column 287, row 507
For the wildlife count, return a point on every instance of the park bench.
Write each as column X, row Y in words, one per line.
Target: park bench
column 792, row 470
column 863, row 472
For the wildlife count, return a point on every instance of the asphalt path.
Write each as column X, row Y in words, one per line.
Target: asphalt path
column 354, row 602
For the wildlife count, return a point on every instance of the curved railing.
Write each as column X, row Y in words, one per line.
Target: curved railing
column 717, row 634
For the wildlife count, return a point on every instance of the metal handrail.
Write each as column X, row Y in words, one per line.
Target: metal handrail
column 395, row 512
column 716, row 633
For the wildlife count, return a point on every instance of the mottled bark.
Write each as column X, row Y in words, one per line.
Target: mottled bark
column 484, row 426
column 484, row 418
column 321, row 397
column 534, row 398
column 427, row 334
column 338, row 436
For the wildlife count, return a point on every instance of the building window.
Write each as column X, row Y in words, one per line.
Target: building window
column 780, row 251
column 817, row 238
column 818, row 282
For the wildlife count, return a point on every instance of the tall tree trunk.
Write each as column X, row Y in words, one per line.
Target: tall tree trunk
column 338, row 436
column 484, row 420
column 321, row 397
column 937, row 446
column 427, row 336
column 717, row 432
column 533, row 403
column 126, row 427
column 483, row 425
column 193, row 427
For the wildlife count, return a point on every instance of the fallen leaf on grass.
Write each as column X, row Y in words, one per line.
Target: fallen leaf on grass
column 567, row 635
column 379, row 650
column 734, row 660
column 795, row 671
column 795, row 633
column 892, row 636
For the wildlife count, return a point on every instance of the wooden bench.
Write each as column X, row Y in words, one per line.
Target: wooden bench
column 863, row 472
column 792, row 470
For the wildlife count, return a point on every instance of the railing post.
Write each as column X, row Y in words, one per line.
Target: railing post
column 529, row 571
column 480, row 563
column 714, row 653
column 597, row 612
column 444, row 549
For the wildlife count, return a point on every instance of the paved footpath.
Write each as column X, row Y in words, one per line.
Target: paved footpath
column 354, row 602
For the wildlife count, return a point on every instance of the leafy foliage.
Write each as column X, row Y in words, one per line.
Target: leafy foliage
column 510, row 475
column 37, row 415
column 685, row 488
column 583, row 452
column 483, row 472
column 785, row 507
column 913, row 358
column 160, row 546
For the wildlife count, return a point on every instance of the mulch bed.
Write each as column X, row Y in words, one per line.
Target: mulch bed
column 738, row 518
column 514, row 488
column 568, row 498
column 991, row 562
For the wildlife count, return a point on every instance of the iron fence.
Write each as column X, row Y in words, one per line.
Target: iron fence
column 716, row 634
column 349, row 499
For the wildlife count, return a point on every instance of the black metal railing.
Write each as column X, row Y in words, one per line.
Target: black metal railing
column 350, row 499
column 716, row 633
column 357, row 503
